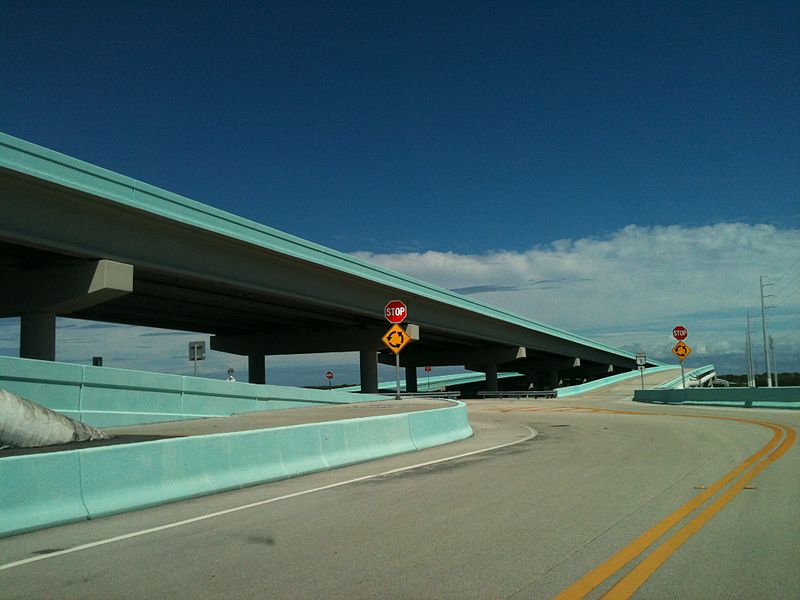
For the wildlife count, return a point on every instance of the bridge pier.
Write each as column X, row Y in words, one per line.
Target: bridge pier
column 38, row 295
column 368, row 362
column 37, row 336
column 491, row 378
column 411, row 379
column 256, row 368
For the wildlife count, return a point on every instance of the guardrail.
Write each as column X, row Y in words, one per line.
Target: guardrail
column 520, row 394
column 445, row 395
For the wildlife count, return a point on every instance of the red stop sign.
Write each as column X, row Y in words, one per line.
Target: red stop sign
column 329, row 374
column 680, row 333
column 395, row 311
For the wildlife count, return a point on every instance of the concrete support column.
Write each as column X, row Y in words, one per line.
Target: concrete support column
column 257, row 368
column 553, row 380
column 37, row 336
column 538, row 381
column 411, row 379
column 368, row 360
column 491, row 378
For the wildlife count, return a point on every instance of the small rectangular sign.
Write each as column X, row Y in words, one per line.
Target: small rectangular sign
column 197, row 351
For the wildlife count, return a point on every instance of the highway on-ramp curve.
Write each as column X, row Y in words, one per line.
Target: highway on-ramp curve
column 588, row 496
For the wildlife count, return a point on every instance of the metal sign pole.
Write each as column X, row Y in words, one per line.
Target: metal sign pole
column 641, row 363
column 683, row 380
column 397, row 371
column 194, row 348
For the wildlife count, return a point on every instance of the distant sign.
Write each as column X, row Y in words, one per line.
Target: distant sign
column 329, row 375
column 681, row 350
column 197, row 350
column 395, row 311
column 680, row 332
column 641, row 359
column 396, row 339
column 427, row 369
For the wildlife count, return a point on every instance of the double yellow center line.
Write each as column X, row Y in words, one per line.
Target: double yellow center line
column 728, row 487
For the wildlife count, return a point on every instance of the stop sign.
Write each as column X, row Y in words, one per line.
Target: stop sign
column 395, row 311
column 680, row 333
column 329, row 374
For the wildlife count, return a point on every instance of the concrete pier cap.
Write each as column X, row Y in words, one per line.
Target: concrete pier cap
column 39, row 295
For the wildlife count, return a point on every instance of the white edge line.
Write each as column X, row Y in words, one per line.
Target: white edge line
column 228, row 511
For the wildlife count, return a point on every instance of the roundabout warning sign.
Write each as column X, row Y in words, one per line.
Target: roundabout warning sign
column 681, row 350
column 396, row 339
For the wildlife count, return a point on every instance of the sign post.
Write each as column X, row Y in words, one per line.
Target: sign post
column 428, row 371
column 197, row 351
column 329, row 377
column 681, row 350
column 395, row 339
column 641, row 362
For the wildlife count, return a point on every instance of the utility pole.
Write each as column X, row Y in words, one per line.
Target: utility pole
column 764, row 327
column 772, row 356
column 751, row 369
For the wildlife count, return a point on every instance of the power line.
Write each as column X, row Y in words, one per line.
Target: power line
column 779, row 279
column 785, row 299
column 788, row 282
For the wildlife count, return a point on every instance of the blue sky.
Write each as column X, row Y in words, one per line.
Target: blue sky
column 412, row 131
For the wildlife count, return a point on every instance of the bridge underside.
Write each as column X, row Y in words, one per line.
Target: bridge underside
column 69, row 252
column 245, row 322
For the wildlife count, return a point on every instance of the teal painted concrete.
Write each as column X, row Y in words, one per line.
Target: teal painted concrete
column 60, row 383
column 678, row 381
column 351, row 440
column 440, row 381
column 434, row 427
column 437, row 382
column 782, row 397
column 105, row 397
column 27, row 158
column 41, row 490
column 600, row 383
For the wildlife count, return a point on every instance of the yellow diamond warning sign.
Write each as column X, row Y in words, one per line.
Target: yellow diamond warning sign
column 681, row 350
column 396, row 339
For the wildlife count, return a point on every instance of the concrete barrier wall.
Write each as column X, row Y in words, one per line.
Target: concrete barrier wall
column 434, row 427
column 678, row 381
column 783, row 397
column 105, row 397
column 589, row 386
column 42, row 490
column 39, row 490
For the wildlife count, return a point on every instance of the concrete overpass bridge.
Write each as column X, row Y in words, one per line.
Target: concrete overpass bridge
column 81, row 241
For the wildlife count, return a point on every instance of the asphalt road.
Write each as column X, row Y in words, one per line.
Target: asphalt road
column 664, row 503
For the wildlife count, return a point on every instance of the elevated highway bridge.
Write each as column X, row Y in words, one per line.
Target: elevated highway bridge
column 81, row 241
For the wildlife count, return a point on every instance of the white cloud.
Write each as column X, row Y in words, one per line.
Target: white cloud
column 630, row 288
column 627, row 289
